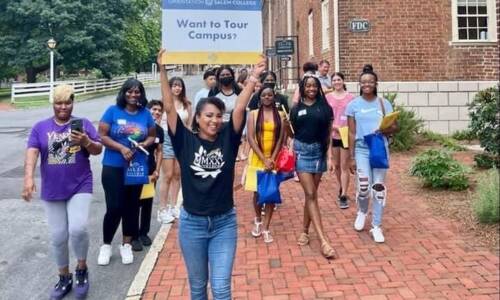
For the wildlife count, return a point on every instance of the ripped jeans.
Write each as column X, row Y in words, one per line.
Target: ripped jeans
column 366, row 179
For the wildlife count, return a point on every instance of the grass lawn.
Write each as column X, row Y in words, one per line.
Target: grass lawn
column 40, row 101
column 4, row 94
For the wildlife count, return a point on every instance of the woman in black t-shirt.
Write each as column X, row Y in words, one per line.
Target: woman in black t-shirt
column 207, row 156
column 311, row 120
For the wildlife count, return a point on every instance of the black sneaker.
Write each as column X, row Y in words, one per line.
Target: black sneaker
column 136, row 245
column 146, row 241
column 343, row 202
column 81, row 283
column 62, row 288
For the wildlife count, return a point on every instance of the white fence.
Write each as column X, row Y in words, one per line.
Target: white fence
column 24, row 90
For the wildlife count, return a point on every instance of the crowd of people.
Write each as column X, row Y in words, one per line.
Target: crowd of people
column 191, row 150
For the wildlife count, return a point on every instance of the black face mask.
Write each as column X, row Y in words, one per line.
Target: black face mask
column 226, row 80
column 271, row 85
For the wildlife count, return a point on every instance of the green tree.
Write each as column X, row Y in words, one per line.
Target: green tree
column 89, row 34
column 142, row 35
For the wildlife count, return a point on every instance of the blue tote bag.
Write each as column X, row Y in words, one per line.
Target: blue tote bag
column 268, row 187
column 379, row 158
column 137, row 170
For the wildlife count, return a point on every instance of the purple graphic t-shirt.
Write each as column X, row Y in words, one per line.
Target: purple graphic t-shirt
column 65, row 168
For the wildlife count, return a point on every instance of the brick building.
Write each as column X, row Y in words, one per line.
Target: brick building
column 434, row 53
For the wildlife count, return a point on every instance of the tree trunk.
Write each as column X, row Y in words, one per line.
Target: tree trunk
column 31, row 74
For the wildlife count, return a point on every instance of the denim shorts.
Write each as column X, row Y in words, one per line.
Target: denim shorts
column 309, row 157
column 168, row 149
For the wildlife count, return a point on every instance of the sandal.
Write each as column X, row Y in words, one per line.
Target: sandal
column 268, row 238
column 257, row 230
column 303, row 239
column 327, row 251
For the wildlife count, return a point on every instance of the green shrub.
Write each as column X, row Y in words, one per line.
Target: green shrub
column 484, row 114
column 443, row 140
column 486, row 204
column 486, row 161
column 438, row 169
column 464, row 135
column 409, row 126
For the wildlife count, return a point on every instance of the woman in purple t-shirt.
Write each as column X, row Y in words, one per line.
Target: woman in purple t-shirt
column 338, row 158
column 64, row 144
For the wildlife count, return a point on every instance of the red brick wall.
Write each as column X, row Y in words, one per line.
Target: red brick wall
column 408, row 40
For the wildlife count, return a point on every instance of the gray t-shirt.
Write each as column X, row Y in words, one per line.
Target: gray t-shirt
column 325, row 81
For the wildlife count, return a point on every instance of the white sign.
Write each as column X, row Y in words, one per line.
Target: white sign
column 212, row 31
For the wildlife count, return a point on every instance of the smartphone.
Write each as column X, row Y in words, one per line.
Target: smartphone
column 77, row 125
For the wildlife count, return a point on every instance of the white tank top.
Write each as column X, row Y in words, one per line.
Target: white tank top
column 183, row 114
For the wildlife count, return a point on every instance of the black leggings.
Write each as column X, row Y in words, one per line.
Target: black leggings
column 122, row 204
column 146, row 206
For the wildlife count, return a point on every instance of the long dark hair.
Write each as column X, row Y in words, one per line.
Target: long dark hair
column 264, row 75
column 368, row 69
column 321, row 99
column 195, row 127
column 131, row 83
column 259, row 123
column 182, row 96
column 302, row 88
column 214, row 91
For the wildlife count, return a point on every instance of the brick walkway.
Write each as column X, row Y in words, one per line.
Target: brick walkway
column 423, row 256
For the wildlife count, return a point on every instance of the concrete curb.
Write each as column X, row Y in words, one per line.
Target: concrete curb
column 141, row 278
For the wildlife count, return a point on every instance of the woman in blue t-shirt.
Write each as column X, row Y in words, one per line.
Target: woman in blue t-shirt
column 364, row 115
column 123, row 125
column 207, row 229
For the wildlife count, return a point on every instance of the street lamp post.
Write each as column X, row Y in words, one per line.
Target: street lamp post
column 52, row 45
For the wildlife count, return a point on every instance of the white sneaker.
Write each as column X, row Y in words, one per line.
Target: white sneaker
column 257, row 230
column 359, row 224
column 126, row 254
column 174, row 212
column 165, row 217
column 105, row 253
column 377, row 234
column 268, row 238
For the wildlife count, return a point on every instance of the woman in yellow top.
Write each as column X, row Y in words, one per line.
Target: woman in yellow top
column 265, row 137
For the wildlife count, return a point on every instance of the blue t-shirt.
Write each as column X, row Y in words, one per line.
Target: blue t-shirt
column 122, row 126
column 368, row 115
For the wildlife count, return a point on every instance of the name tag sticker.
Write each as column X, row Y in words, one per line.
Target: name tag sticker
column 121, row 122
column 302, row 112
column 343, row 118
column 157, row 140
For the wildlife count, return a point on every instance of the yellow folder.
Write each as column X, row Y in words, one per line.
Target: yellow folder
column 148, row 191
column 388, row 120
column 344, row 136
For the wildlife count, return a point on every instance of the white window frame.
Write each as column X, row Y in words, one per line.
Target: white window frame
column 492, row 24
column 325, row 24
column 310, row 33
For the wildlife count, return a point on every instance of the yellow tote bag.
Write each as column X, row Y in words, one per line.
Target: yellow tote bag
column 148, row 191
column 344, row 136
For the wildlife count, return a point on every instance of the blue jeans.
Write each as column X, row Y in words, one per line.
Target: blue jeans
column 375, row 176
column 209, row 244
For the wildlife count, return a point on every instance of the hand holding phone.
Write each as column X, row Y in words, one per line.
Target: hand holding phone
column 77, row 125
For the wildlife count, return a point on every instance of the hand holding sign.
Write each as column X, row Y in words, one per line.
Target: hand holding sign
column 159, row 58
column 260, row 67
